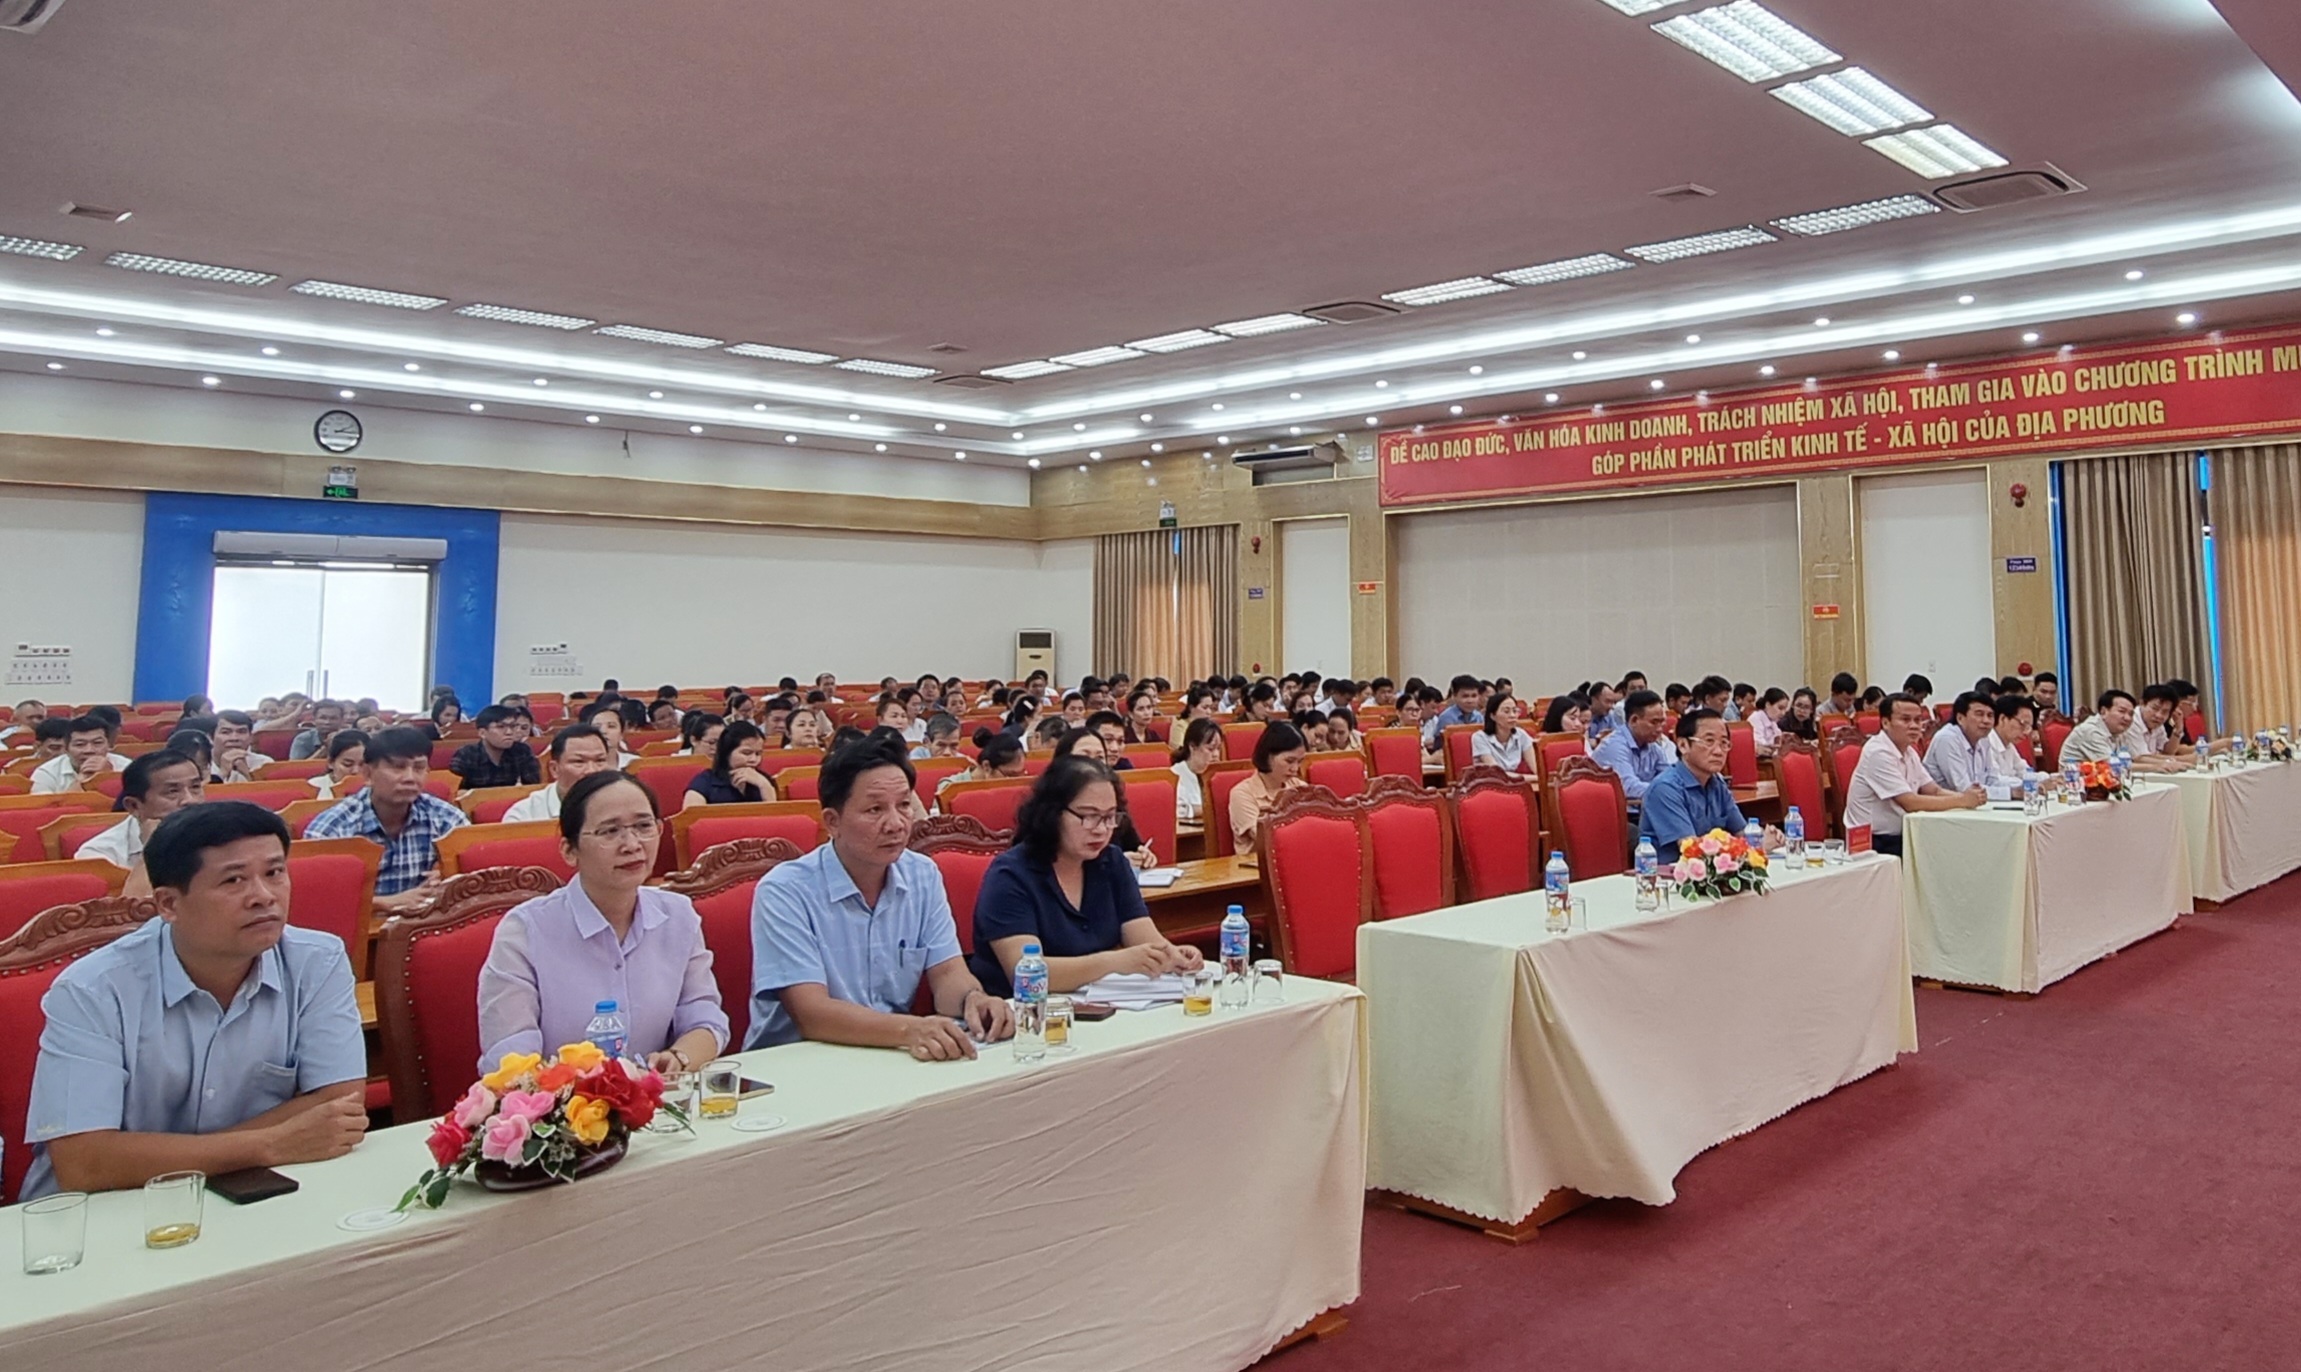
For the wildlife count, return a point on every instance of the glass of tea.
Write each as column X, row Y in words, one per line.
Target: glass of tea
column 1198, row 992
column 722, row 1089
column 1059, row 1020
column 172, row 1209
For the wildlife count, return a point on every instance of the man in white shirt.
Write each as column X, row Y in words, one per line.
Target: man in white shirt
column 577, row 751
column 1889, row 781
column 236, row 758
column 87, row 755
column 2116, row 723
column 25, row 723
column 154, row 787
column 2001, row 750
column 1957, row 757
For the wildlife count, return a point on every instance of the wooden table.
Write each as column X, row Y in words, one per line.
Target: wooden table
column 1189, row 840
column 1195, row 904
column 1763, row 803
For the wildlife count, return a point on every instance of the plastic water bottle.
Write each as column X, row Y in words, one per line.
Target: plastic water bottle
column 2120, row 764
column 2032, row 797
column 1794, row 837
column 1030, row 982
column 2204, row 754
column 1754, row 834
column 608, row 1031
column 1649, row 870
column 1235, row 971
column 1558, row 911
column 2072, row 782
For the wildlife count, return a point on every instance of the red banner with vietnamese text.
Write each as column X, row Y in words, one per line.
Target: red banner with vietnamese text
column 2171, row 393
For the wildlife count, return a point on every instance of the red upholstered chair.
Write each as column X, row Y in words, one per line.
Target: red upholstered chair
column 695, row 832
column 1552, row 749
column 774, row 760
column 60, row 838
column 476, row 847
column 283, row 770
column 721, row 882
column 1410, row 845
column 332, row 888
column 930, row 772
column 667, row 777
column 1239, row 738
column 1869, row 722
column 273, row 742
column 1498, row 831
column 1148, row 756
column 1342, row 772
column 1314, row 870
column 427, row 986
column 303, row 812
column 1395, row 752
column 2056, row 732
column 108, row 785
column 1589, row 819
column 1741, row 754
column 30, row 960
column 488, row 804
column 1454, row 747
column 1797, row 768
column 1150, row 804
column 21, row 818
column 2193, row 726
column 1037, row 762
column 1845, row 754
column 1942, row 713
column 27, row 888
column 1216, row 785
column 271, row 795
column 443, row 752
column 992, row 803
column 1160, row 728
column 962, row 850
column 799, row 783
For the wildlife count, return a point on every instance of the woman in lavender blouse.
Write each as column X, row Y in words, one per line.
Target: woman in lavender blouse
column 606, row 935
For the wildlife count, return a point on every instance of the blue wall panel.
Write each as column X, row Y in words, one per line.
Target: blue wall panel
column 180, row 565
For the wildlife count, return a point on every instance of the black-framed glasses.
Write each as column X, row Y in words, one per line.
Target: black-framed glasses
column 1094, row 819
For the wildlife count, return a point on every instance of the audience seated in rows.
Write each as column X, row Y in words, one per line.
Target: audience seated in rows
column 394, row 811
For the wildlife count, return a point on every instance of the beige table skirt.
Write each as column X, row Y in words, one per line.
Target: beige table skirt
column 2243, row 826
column 1507, row 1063
column 1176, row 1195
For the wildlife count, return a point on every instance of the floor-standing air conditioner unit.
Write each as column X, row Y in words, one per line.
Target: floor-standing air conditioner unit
column 1034, row 652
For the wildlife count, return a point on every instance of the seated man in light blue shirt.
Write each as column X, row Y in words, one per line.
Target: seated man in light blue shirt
column 842, row 938
column 1467, row 695
column 1958, row 756
column 213, row 1038
column 1637, row 752
column 1692, row 796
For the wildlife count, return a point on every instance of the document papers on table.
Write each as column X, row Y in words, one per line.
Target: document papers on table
column 1132, row 990
column 1157, row 878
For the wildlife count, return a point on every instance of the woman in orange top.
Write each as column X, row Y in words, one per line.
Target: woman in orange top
column 1277, row 769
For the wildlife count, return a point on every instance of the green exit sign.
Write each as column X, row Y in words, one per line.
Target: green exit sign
column 343, row 483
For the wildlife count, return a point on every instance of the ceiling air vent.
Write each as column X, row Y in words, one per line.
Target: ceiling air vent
column 2000, row 189
column 947, row 348
column 24, row 16
column 1350, row 311
column 96, row 212
column 969, row 381
column 1687, row 191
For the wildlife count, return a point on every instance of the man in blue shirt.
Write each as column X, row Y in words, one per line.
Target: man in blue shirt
column 1463, row 709
column 213, row 1038
column 394, row 811
column 1692, row 797
column 1637, row 752
column 842, row 938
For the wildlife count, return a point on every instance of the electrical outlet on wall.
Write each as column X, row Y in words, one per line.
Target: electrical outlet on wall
column 40, row 664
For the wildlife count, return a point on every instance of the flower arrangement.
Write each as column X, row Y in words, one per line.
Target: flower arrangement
column 550, row 1122
column 1718, row 864
column 2269, row 747
column 2102, row 782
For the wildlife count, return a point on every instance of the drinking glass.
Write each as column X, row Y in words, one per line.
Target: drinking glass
column 1198, row 992
column 1058, row 1026
column 722, row 1089
column 1833, row 851
column 1269, row 982
column 55, row 1232
column 683, row 1089
column 172, row 1209
column 1579, row 917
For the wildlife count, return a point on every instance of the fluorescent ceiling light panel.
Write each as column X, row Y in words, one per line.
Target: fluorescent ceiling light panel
column 39, row 247
column 1462, row 288
column 1860, row 216
column 878, row 368
column 1852, row 102
column 1566, row 269
column 1748, row 40
column 1024, row 371
column 1178, row 342
column 505, row 314
column 1639, row 6
column 198, row 271
column 1095, row 357
column 368, row 295
column 669, row 340
column 1725, row 240
column 775, row 354
column 1943, row 150
column 1267, row 323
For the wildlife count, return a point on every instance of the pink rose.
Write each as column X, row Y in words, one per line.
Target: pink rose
column 1711, row 847
column 506, row 1136
column 477, row 1104
column 1689, row 869
column 1725, row 865
column 529, row 1105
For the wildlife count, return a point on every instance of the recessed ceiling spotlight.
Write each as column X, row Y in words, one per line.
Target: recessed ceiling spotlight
column 1079, row 427
column 270, row 351
column 55, row 366
column 1748, row 40
column 1851, row 101
column 1294, row 430
column 940, row 426
column 1461, row 288
column 1893, row 354
column 1701, row 244
column 1372, row 420
column 368, row 295
column 2185, row 318
column 347, row 395
column 1146, row 462
column 655, row 395
column 477, row 408
column 1178, row 342
column 1016, row 435
column 197, row 271
column 1215, row 406
column 1543, row 273
column 2029, row 338
column 536, row 319
column 1454, row 409
column 1936, row 152
column 104, row 333
column 852, row 417
column 2068, row 348
column 411, row 366
column 1693, row 338
column 1579, row 354
column 634, row 333
column 1549, row 397
column 542, row 381
column 211, row 381
column 1965, row 300
column 878, row 447
column 1033, row 464
column 1656, row 384
column 1822, row 322
column 1382, row 385
column 1504, row 419
column 961, row 455
column 1294, row 395
column 790, row 438
column 39, row 247
column 1222, row 438
column 760, row 406
column 1096, row 357
column 1158, row 447
column 2135, row 275
column 1267, row 323
column 695, row 428
column 875, row 367
column 1145, row 417
column 1767, row 370
column 1818, row 222
column 774, row 354
column 591, row 419
column 1097, row 454
column 1024, row 371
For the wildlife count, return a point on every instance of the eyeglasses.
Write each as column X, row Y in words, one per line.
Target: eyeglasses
column 1095, row 819
column 613, row 834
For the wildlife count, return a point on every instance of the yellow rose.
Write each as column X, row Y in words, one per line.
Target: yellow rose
column 1757, row 858
column 510, row 1070
column 582, row 1056
column 587, row 1120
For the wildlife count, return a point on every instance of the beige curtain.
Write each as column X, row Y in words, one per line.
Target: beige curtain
column 1166, row 602
column 2132, row 532
column 2257, row 548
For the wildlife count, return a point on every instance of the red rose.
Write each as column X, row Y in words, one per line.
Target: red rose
column 448, row 1140
column 632, row 1102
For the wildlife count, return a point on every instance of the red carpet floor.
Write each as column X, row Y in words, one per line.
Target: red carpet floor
column 2105, row 1177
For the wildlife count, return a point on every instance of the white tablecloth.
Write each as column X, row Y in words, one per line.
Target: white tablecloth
column 1998, row 899
column 2243, row 824
column 1178, row 1194
column 1507, row 1062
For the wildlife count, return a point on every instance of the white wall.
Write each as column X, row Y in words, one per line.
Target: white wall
column 1314, row 596
column 1551, row 595
column 69, row 567
column 74, row 407
column 1926, row 578
column 711, row 605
